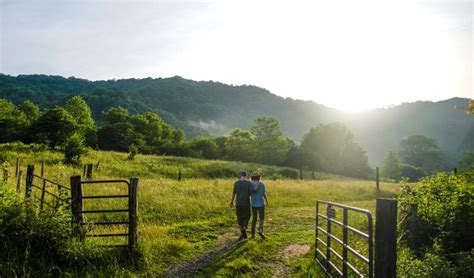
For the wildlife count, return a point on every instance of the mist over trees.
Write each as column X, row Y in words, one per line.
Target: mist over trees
column 71, row 128
column 208, row 108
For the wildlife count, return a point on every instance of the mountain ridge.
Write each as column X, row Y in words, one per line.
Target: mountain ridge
column 214, row 108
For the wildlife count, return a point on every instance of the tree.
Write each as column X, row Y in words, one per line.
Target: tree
column 333, row 149
column 239, row 145
column 81, row 112
column 74, row 148
column 422, row 152
column 55, row 127
column 12, row 121
column 270, row 146
column 30, row 110
column 391, row 167
column 467, row 160
column 204, row 147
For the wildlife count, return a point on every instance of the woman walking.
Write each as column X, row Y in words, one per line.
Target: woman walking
column 258, row 201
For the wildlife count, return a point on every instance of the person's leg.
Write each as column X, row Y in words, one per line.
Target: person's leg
column 254, row 220
column 261, row 216
column 261, row 212
column 240, row 219
column 246, row 219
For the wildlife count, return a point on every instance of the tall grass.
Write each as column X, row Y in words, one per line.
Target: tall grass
column 178, row 220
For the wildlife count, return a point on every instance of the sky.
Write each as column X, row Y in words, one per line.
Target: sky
column 351, row 55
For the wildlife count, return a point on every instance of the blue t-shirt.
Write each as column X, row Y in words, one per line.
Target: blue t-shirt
column 257, row 197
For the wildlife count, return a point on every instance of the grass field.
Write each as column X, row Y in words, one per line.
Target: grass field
column 179, row 221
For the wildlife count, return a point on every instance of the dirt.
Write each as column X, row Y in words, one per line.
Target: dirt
column 295, row 250
column 225, row 243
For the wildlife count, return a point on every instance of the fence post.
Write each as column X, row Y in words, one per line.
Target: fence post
column 89, row 171
column 18, row 182
column 30, row 170
column 97, row 166
column 133, row 212
column 312, row 174
column 301, row 174
column 179, row 174
column 76, row 204
column 455, row 170
column 377, row 179
column 16, row 166
column 386, row 238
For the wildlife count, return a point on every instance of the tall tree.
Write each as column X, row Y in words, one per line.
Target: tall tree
column 81, row 112
column 271, row 147
column 54, row 127
column 391, row 168
column 422, row 152
column 12, row 121
column 333, row 148
column 239, row 145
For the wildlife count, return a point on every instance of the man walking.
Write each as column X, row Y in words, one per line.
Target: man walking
column 242, row 190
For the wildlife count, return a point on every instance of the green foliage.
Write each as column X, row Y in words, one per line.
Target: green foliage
column 391, row 168
column 445, row 213
column 73, row 149
column 411, row 172
column 239, row 145
column 30, row 242
column 270, row 146
column 334, row 151
column 204, row 147
column 54, row 127
column 81, row 112
column 422, row 152
column 467, row 160
column 133, row 151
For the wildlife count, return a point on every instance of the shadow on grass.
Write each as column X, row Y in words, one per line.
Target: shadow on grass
column 189, row 269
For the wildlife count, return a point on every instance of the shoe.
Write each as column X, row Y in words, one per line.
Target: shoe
column 260, row 232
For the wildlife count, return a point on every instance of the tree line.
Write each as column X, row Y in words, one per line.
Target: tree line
column 418, row 156
column 71, row 128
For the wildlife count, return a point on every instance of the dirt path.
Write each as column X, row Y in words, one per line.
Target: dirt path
column 224, row 245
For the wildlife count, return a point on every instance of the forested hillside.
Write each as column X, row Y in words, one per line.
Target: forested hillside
column 213, row 108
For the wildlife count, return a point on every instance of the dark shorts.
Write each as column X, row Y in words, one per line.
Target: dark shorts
column 243, row 215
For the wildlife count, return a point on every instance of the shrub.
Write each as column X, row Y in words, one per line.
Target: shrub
column 73, row 149
column 444, row 219
column 132, row 152
column 288, row 173
column 411, row 172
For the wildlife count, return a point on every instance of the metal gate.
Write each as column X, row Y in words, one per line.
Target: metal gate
column 132, row 210
column 326, row 253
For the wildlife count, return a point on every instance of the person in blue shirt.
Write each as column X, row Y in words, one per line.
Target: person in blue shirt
column 258, row 201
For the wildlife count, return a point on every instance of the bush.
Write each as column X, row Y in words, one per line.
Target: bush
column 133, row 151
column 30, row 242
column 444, row 219
column 73, row 149
column 411, row 172
column 288, row 173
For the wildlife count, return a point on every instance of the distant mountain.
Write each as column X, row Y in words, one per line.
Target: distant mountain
column 213, row 108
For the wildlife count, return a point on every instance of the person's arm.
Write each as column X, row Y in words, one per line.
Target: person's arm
column 231, row 205
column 265, row 197
column 255, row 189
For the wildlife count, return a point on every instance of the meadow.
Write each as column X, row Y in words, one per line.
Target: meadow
column 181, row 222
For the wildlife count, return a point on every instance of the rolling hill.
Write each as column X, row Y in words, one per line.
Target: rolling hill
column 213, row 108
